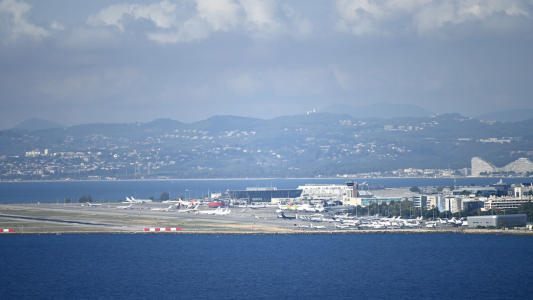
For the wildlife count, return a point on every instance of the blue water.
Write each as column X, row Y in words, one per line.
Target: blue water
column 32, row 192
column 443, row 266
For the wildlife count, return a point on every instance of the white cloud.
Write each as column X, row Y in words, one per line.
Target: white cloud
column 433, row 17
column 259, row 18
column 57, row 26
column 18, row 25
column 425, row 16
column 220, row 14
column 161, row 14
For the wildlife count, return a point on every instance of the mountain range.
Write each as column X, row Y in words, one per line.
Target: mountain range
column 37, row 124
column 382, row 110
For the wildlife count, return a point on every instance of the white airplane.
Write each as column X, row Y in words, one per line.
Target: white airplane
column 133, row 200
column 368, row 225
column 431, row 225
column 341, row 226
column 284, row 207
column 93, row 205
column 351, row 222
column 445, row 221
column 124, row 207
column 189, row 210
column 316, row 227
column 407, row 224
column 304, row 207
column 320, row 209
column 186, row 204
column 378, row 226
column 164, row 209
column 223, row 212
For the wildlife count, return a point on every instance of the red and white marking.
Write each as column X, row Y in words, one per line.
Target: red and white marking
column 162, row 229
column 7, row 230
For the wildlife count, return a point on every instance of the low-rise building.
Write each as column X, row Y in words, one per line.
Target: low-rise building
column 504, row 202
column 497, row 220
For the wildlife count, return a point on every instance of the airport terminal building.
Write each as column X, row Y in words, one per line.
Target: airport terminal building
column 262, row 194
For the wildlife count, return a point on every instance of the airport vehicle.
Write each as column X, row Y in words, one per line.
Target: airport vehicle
column 133, row 200
column 189, row 210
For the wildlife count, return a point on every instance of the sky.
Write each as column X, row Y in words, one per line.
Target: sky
column 76, row 62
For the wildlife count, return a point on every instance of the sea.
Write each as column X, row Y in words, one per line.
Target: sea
column 360, row 266
column 113, row 191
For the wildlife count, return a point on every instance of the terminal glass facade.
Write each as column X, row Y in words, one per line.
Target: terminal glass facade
column 263, row 195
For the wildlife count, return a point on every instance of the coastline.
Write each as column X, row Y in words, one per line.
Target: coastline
column 273, row 178
column 295, row 232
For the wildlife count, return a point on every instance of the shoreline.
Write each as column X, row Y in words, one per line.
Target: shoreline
column 309, row 232
column 273, row 178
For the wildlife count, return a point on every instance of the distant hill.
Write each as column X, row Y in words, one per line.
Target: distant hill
column 162, row 124
column 381, row 110
column 37, row 124
column 515, row 115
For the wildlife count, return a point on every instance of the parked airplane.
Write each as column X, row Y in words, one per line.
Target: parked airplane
column 407, row 224
column 341, row 226
column 186, row 204
column 189, row 210
column 431, row 225
column 223, row 212
column 457, row 222
column 133, row 200
column 316, row 227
